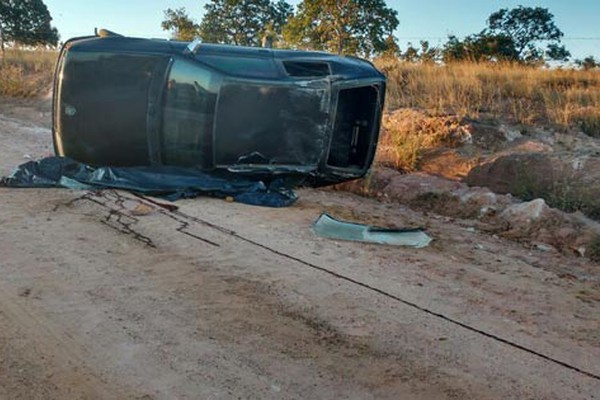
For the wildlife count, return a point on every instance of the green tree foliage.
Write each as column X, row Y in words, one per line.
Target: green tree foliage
column 392, row 50
column 557, row 52
column 588, row 63
column 425, row 54
column 244, row 22
column 411, row 54
column 528, row 27
column 182, row 27
column 480, row 48
column 26, row 22
column 514, row 35
column 428, row 54
column 357, row 27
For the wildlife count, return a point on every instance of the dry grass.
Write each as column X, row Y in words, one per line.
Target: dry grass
column 432, row 106
column 562, row 98
column 559, row 98
column 408, row 132
column 26, row 73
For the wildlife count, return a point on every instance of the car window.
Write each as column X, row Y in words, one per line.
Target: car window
column 190, row 99
column 242, row 66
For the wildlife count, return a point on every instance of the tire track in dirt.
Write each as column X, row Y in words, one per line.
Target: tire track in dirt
column 39, row 361
column 187, row 220
column 186, row 316
column 425, row 310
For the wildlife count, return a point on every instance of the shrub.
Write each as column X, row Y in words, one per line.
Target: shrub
column 26, row 73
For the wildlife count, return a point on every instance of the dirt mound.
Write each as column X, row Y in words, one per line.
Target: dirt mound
column 448, row 163
column 519, row 174
column 563, row 168
column 407, row 133
column 565, row 181
column 533, row 223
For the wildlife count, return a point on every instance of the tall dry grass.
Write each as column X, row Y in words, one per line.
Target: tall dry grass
column 561, row 98
column 433, row 105
column 25, row 73
column 553, row 97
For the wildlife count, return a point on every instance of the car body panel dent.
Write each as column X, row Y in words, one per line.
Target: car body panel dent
column 132, row 102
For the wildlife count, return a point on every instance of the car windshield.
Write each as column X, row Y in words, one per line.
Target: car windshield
column 189, row 107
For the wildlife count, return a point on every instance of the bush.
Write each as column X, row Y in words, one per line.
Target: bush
column 26, row 73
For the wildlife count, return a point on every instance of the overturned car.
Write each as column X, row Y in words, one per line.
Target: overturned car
column 122, row 101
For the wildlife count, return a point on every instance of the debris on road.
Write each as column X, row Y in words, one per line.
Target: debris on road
column 329, row 227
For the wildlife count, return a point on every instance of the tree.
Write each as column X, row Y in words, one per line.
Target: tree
column 455, row 49
column 527, row 27
column 357, row 27
column 480, row 48
column 588, row 63
column 411, row 54
column 392, row 50
column 557, row 52
column 426, row 54
column 26, row 22
column 514, row 35
column 244, row 22
column 182, row 27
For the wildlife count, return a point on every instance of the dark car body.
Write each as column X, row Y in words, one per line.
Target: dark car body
column 122, row 101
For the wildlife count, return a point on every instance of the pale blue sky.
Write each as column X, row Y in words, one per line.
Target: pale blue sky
column 432, row 20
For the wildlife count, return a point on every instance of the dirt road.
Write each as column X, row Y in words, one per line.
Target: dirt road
column 107, row 295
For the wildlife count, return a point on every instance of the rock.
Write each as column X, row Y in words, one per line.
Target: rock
column 487, row 212
column 534, row 222
column 405, row 188
column 142, row 209
column 524, row 214
column 566, row 182
column 448, row 163
column 510, row 134
column 486, row 136
column 481, row 196
column 544, row 247
column 516, row 174
column 566, row 233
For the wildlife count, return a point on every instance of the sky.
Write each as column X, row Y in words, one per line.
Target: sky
column 431, row 20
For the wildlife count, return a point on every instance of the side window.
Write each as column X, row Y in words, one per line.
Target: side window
column 189, row 107
column 242, row 66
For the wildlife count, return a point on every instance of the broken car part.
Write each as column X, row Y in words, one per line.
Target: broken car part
column 329, row 227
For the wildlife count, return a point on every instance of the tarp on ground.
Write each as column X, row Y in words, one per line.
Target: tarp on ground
column 168, row 182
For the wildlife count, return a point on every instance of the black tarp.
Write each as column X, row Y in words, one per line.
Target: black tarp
column 168, row 182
